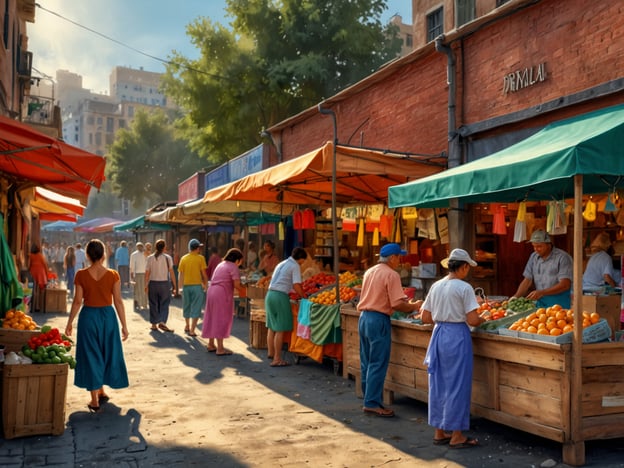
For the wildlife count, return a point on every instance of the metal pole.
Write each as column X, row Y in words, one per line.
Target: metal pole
column 334, row 220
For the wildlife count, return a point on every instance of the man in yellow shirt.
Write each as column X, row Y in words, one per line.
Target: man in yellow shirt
column 193, row 280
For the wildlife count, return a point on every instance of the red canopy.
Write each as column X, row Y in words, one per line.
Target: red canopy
column 29, row 155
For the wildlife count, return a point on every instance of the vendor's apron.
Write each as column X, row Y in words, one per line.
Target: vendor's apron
column 563, row 299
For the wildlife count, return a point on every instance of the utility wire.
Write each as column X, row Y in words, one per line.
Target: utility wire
column 168, row 62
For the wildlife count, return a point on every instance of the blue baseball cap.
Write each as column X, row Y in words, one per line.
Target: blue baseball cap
column 391, row 249
column 194, row 244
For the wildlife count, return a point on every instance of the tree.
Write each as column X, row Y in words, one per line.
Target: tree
column 279, row 58
column 147, row 162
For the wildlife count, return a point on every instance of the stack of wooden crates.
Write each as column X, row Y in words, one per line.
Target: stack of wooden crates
column 33, row 395
column 257, row 317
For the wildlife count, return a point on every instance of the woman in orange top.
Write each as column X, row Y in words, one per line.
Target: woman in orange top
column 99, row 353
column 38, row 269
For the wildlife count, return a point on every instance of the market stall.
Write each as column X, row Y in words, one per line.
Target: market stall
column 323, row 177
column 580, row 155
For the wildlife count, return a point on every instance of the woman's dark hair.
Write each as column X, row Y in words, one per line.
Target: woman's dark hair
column 233, row 255
column 160, row 247
column 34, row 248
column 270, row 243
column 454, row 265
column 299, row 253
column 70, row 256
column 95, row 250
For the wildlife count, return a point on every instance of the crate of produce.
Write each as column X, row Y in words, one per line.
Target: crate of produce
column 257, row 329
column 494, row 326
column 13, row 340
column 600, row 331
column 255, row 292
column 55, row 300
column 33, row 399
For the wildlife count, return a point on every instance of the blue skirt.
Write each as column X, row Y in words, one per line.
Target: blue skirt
column 450, row 361
column 99, row 353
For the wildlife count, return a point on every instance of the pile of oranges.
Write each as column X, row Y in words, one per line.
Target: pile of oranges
column 553, row 321
column 328, row 296
column 18, row 320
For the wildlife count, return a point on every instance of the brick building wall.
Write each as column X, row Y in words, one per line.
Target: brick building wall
column 581, row 45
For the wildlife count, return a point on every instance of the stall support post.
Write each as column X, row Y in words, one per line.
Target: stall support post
column 574, row 448
column 334, row 220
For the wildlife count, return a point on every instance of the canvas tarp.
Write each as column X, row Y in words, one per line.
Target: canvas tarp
column 51, row 206
column 31, row 156
column 537, row 168
column 362, row 175
column 140, row 223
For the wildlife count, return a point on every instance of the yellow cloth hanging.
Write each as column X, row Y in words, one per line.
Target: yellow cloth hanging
column 409, row 212
column 376, row 237
column 521, row 211
column 360, row 236
column 280, row 231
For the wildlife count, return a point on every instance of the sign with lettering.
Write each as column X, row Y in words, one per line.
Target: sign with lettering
column 524, row 78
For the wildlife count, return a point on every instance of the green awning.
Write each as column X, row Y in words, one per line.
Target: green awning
column 140, row 223
column 538, row 168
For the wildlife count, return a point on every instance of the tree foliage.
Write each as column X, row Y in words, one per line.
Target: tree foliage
column 278, row 58
column 146, row 160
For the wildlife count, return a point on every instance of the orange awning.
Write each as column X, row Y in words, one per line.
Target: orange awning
column 70, row 204
column 31, row 156
column 362, row 175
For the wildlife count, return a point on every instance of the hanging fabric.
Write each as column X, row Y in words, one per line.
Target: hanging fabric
column 376, row 237
column 589, row 213
column 498, row 225
column 308, row 219
column 521, row 212
column 349, row 219
column 280, row 231
column 360, row 235
column 442, row 226
column 385, row 225
column 397, row 227
column 297, row 220
column 370, row 227
column 426, row 224
column 556, row 222
column 409, row 212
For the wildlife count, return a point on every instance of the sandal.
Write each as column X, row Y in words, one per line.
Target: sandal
column 468, row 443
column 381, row 412
column 93, row 409
column 443, row 441
column 164, row 327
column 280, row 364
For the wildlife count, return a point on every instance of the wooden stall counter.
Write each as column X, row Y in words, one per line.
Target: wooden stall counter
column 525, row 384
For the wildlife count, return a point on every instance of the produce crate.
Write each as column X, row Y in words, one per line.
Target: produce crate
column 13, row 340
column 595, row 333
column 33, row 399
column 258, row 330
column 609, row 308
column 492, row 326
column 254, row 292
column 55, row 300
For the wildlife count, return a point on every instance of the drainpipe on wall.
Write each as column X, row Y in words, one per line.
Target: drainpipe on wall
column 459, row 237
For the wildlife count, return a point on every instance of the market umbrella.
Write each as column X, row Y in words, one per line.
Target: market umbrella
column 11, row 293
column 563, row 160
column 34, row 157
column 140, row 223
column 362, row 175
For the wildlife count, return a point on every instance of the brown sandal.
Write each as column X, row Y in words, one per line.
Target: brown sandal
column 381, row 412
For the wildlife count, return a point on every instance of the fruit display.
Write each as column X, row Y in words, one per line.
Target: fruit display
column 553, row 321
column 328, row 296
column 493, row 310
column 49, row 347
column 18, row 320
column 520, row 304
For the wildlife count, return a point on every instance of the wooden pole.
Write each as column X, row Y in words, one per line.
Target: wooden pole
column 574, row 447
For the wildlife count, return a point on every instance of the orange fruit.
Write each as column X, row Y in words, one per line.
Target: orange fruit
column 594, row 317
column 551, row 324
column 568, row 328
column 543, row 331
column 560, row 315
column 561, row 323
column 542, row 318
column 535, row 322
column 586, row 323
column 531, row 329
column 541, row 326
column 555, row 332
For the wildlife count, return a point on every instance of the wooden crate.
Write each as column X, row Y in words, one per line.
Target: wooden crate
column 13, row 340
column 33, row 399
column 258, row 330
column 55, row 300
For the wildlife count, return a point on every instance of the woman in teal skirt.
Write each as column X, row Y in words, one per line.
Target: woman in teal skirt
column 99, row 352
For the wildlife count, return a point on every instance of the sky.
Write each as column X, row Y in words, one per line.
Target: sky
column 153, row 27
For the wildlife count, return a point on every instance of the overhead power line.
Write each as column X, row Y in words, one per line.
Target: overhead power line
column 134, row 49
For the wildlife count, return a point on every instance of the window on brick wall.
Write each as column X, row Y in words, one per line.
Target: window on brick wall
column 435, row 24
column 464, row 12
column 409, row 40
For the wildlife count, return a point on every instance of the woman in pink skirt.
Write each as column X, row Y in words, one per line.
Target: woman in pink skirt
column 219, row 312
